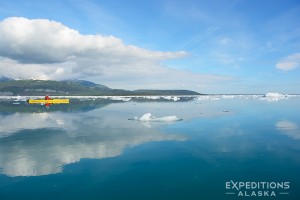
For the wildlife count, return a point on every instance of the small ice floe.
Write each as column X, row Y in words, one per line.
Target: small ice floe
column 208, row 97
column 119, row 98
column 172, row 98
column 18, row 98
column 273, row 96
column 229, row 96
column 148, row 117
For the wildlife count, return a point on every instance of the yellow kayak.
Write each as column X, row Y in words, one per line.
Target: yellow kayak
column 51, row 101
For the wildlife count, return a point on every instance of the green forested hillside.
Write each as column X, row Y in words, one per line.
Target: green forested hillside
column 60, row 88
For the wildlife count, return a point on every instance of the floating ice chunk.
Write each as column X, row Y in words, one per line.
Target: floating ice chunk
column 18, row 98
column 229, row 96
column 148, row 117
column 148, row 97
column 273, row 96
column 207, row 97
column 199, row 98
column 176, row 98
column 173, row 98
column 120, row 98
column 134, row 118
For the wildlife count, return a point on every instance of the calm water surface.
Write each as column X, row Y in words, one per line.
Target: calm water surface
column 90, row 150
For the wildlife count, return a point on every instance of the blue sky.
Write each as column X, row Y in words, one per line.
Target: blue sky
column 214, row 46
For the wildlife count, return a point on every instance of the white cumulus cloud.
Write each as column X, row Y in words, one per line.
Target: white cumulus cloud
column 289, row 63
column 45, row 49
column 45, row 42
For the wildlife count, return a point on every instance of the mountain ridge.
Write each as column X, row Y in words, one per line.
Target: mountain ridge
column 10, row 87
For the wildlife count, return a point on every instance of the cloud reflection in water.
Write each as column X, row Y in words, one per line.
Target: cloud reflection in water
column 42, row 143
column 289, row 128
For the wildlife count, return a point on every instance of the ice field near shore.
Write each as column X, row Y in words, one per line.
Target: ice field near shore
column 271, row 96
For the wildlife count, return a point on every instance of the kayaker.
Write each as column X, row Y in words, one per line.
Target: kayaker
column 47, row 97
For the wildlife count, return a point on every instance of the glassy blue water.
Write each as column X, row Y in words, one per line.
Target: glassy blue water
column 90, row 150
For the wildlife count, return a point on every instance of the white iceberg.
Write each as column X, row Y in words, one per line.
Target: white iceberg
column 174, row 98
column 120, row 98
column 148, row 117
column 274, row 96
